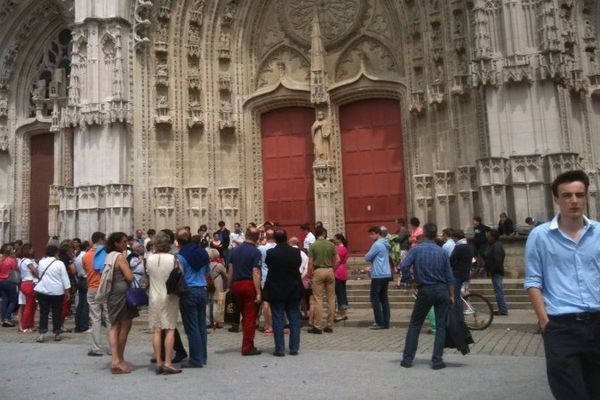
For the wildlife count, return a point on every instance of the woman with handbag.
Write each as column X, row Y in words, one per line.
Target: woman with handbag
column 9, row 277
column 51, row 291
column 120, row 314
column 29, row 277
column 163, row 308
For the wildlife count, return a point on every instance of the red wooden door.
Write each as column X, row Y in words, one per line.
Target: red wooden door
column 42, row 174
column 287, row 154
column 373, row 168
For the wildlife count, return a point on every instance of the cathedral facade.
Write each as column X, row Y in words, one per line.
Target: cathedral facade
column 118, row 114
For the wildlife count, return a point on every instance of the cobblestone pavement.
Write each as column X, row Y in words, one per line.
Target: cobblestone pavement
column 497, row 342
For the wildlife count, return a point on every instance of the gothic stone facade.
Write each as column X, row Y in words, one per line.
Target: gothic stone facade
column 154, row 107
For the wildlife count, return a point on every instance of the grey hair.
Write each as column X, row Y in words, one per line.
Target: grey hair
column 162, row 242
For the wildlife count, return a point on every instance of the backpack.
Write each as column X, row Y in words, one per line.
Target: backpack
column 395, row 250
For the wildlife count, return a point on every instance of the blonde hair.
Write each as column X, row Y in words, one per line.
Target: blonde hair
column 213, row 254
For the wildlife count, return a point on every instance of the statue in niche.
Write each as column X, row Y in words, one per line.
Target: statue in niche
column 320, row 133
column 162, row 102
column 589, row 29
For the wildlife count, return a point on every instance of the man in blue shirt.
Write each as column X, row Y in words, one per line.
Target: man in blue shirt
column 381, row 273
column 196, row 265
column 428, row 266
column 562, row 278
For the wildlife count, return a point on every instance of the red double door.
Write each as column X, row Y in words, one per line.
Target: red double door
column 372, row 165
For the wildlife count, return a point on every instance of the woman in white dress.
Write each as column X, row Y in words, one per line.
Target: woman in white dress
column 163, row 308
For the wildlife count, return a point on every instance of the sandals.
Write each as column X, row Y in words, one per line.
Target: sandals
column 118, row 371
column 170, row 370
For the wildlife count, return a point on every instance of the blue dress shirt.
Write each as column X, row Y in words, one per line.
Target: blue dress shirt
column 430, row 263
column 567, row 272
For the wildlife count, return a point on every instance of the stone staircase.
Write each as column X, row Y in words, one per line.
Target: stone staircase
column 400, row 298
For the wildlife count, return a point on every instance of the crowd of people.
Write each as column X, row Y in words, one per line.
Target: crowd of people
column 270, row 274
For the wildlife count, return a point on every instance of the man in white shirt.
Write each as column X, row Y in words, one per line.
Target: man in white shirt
column 266, row 309
column 236, row 237
column 309, row 238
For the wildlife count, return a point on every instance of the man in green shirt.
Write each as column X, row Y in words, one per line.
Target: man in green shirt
column 322, row 261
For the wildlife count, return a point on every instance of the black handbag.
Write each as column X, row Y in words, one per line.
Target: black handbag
column 176, row 281
column 232, row 311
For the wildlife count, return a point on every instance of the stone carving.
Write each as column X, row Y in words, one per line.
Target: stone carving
column 417, row 101
column 283, row 61
column 194, row 81
column 517, row 68
column 3, row 107
column 226, row 116
column 161, row 37
column 195, row 113
column 482, row 42
column 229, row 199
column 141, row 22
column 321, row 132
column 164, row 11
column 225, row 82
column 318, row 83
column 197, row 13
column 162, row 75
column 224, row 46
column 163, row 115
column 369, row 55
column 338, row 18
column 485, row 72
column 228, row 13
column 4, row 138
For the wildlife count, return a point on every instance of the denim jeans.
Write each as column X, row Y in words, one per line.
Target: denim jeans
column 292, row 310
column 193, row 314
column 340, row 294
column 499, row 290
column 437, row 296
column 10, row 297
column 380, row 301
column 82, row 314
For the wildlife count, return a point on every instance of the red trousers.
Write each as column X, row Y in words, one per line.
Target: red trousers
column 244, row 295
column 30, row 305
column 66, row 310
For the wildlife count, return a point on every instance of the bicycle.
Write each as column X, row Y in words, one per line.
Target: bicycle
column 477, row 310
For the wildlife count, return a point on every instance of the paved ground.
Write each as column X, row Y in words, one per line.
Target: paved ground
column 351, row 363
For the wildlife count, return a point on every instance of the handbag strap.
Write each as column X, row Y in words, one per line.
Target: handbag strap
column 47, row 268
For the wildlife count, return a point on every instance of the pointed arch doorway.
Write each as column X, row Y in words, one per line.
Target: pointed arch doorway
column 373, row 168
column 41, row 177
column 287, row 155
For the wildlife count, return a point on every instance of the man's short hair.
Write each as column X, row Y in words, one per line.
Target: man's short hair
column 568, row 177
column 183, row 236
column 320, row 231
column 252, row 234
column 170, row 233
column 430, row 231
column 375, row 229
column 449, row 232
column 458, row 234
column 221, row 224
column 294, row 241
column 280, row 236
column 494, row 233
column 98, row 236
column 151, row 232
column 305, row 227
column 478, row 219
column 414, row 221
column 529, row 220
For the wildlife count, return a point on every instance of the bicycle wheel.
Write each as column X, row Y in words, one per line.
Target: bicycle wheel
column 478, row 311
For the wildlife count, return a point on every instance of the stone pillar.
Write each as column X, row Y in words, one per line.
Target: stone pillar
column 423, row 197
column 467, row 195
column 4, row 223
column 91, row 207
column 67, row 211
column 593, row 197
column 53, row 211
column 493, row 182
column 118, row 202
column 445, row 199
column 324, row 192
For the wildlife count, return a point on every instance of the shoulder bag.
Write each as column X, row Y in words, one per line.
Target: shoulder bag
column 176, row 281
column 135, row 296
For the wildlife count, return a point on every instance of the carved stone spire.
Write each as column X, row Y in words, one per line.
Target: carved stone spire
column 481, row 35
column 318, row 85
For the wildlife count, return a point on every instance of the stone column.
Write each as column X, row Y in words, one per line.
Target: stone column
column 229, row 205
column 445, row 199
column 467, row 195
column 530, row 196
column 493, row 182
column 423, row 197
column 324, row 192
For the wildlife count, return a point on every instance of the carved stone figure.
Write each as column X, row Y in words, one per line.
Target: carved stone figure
column 320, row 133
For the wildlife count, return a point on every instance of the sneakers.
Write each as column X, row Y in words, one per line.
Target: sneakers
column 41, row 339
column 328, row 330
column 315, row 330
column 93, row 353
column 8, row 324
column 57, row 337
column 498, row 312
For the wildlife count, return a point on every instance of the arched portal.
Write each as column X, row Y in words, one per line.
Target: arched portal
column 287, row 167
column 373, row 168
column 41, row 177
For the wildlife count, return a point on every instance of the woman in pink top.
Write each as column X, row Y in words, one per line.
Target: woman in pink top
column 8, row 289
column 416, row 232
column 341, row 276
